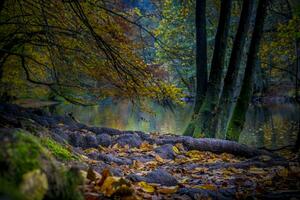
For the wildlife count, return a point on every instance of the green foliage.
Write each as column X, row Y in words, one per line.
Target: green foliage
column 278, row 49
column 57, row 150
column 176, row 30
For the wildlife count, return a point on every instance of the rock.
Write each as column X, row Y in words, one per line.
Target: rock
column 58, row 138
column 136, row 178
column 61, row 133
column 89, row 141
column 75, row 139
column 109, row 131
column 196, row 193
column 145, row 137
column 104, row 140
column 144, row 158
column 34, row 185
column 166, row 151
column 161, row 177
column 111, row 158
column 93, row 155
column 114, row 171
column 129, row 139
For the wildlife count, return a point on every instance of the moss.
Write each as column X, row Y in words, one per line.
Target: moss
column 64, row 185
column 22, row 153
column 9, row 190
column 20, row 156
column 58, row 150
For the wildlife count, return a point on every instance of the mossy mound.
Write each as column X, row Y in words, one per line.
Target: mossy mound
column 57, row 150
column 24, row 162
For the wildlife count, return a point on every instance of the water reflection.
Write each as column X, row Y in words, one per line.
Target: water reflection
column 271, row 126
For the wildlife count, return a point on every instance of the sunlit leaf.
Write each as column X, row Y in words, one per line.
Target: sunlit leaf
column 146, row 187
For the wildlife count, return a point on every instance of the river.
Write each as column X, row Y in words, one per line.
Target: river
column 272, row 125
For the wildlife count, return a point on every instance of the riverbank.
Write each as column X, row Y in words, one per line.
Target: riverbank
column 107, row 163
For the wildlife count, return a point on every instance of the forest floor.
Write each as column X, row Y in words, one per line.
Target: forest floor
column 117, row 164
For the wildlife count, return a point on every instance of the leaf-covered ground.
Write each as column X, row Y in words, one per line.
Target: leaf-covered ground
column 189, row 174
column 135, row 165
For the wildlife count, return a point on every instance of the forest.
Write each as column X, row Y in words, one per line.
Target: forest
column 149, row 99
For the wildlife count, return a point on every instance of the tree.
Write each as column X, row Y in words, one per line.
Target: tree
column 209, row 104
column 226, row 100
column 89, row 39
column 239, row 114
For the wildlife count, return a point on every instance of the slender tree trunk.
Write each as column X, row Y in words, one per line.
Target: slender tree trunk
column 201, row 60
column 226, row 101
column 210, row 102
column 239, row 114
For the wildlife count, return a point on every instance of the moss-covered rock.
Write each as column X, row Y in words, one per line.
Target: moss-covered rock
column 34, row 185
column 29, row 171
column 57, row 150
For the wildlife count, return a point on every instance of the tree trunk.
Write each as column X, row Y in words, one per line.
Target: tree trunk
column 201, row 59
column 208, row 107
column 230, row 82
column 1, row 5
column 239, row 114
column 297, row 95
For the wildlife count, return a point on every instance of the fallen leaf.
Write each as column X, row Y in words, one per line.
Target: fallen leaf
column 167, row 190
column 175, row 150
column 180, row 146
column 206, row 187
column 91, row 174
column 158, row 158
column 105, row 173
column 283, row 172
column 146, row 187
column 194, row 154
column 107, row 188
column 137, row 164
column 255, row 170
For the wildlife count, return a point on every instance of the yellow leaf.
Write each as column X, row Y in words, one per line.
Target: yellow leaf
column 146, row 187
column 180, row 146
column 167, row 190
column 200, row 170
column 145, row 146
column 206, row 187
column 255, row 170
column 175, row 150
column 159, row 159
column 138, row 164
column 107, row 187
column 284, row 172
column 90, row 150
column 194, row 154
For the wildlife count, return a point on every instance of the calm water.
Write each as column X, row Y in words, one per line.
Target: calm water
column 272, row 126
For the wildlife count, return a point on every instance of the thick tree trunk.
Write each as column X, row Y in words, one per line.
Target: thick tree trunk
column 201, row 53
column 230, row 82
column 1, row 5
column 294, row 6
column 239, row 114
column 201, row 59
column 208, row 107
column 297, row 95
